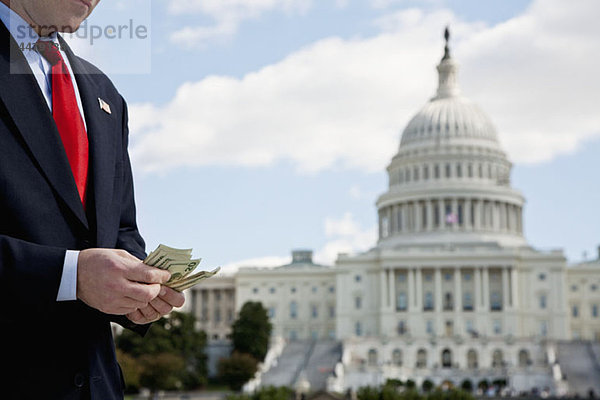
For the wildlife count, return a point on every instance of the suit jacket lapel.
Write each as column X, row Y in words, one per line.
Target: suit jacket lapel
column 27, row 107
column 100, row 125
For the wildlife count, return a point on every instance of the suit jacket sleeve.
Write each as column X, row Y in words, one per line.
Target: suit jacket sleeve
column 29, row 278
column 129, row 237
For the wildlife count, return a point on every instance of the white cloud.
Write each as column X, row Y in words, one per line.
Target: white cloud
column 345, row 236
column 227, row 15
column 342, row 103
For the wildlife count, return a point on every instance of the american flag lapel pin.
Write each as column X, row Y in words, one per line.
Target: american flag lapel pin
column 104, row 106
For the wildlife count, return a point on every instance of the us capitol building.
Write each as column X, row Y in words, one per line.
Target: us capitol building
column 451, row 292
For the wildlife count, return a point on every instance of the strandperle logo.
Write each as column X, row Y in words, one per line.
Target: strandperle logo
column 92, row 32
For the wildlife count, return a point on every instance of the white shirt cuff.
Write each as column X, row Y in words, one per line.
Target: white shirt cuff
column 67, row 290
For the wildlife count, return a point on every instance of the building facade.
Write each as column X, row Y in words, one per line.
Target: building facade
column 451, row 291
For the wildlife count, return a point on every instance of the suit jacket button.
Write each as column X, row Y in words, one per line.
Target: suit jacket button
column 79, row 380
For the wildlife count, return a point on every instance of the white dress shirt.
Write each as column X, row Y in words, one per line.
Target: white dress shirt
column 26, row 38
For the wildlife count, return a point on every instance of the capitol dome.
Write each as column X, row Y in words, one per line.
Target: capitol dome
column 450, row 180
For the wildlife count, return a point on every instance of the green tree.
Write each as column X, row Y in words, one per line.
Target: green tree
column 237, row 369
column 427, row 385
column 174, row 344
column 252, row 330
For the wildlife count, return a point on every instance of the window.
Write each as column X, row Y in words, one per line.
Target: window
column 293, row 310
column 436, row 171
column 372, row 358
column 358, row 302
column 401, row 302
column 593, row 287
column 447, row 276
column 446, row 358
column 217, row 315
column 397, row 357
column 544, row 328
column 459, row 170
column 524, row 359
column 293, row 289
column 331, row 289
column 421, row 358
column 401, row 328
column 426, row 172
column 470, row 170
column 401, row 277
column 467, row 276
column 497, row 359
column 543, row 301
column 331, row 311
column 314, row 289
column 469, row 326
column 255, row 290
column 357, row 278
column 542, row 277
column 314, row 311
column 448, row 170
column 448, row 303
column 575, row 311
column 357, row 329
column 467, row 301
column 428, row 304
column 573, row 288
column 416, row 173
column 428, row 277
column 429, row 327
column 497, row 327
column 472, row 359
column 595, row 310
column 496, row 301
column 272, row 290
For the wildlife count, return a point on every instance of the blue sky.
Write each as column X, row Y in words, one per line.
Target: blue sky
column 259, row 126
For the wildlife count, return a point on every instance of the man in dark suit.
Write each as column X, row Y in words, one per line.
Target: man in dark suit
column 70, row 249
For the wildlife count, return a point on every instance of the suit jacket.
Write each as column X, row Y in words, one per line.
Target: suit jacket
column 53, row 349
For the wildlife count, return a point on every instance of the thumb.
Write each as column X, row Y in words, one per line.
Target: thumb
column 141, row 272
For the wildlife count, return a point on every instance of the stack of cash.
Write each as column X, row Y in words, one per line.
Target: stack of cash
column 180, row 264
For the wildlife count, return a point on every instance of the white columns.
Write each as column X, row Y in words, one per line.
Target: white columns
column 467, row 215
column 514, row 283
column 477, row 277
column 454, row 206
column 457, row 290
column 419, row 289
column 486, row 289
column 411, row 289
column 429, row 205
column 441, row 213
column 438, row 289
column 417, row 213
column 383, row 290
column 505, row 290
column 392, row 288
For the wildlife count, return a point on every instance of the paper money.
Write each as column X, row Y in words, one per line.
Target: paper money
column 180, row 264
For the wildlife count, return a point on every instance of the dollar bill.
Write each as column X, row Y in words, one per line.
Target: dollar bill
column 180, row 264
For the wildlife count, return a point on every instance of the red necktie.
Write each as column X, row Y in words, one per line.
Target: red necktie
column 67, row 116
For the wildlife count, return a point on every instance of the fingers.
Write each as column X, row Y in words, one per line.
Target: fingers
column 172, row 297
column 140, row 272
column 142, row 292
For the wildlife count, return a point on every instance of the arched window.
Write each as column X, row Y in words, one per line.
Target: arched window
column 397, row 357
column 524, row 358
column 446, row 358
column 472, row 359
column 372, row 358
column 497, row 358
column 421, row 358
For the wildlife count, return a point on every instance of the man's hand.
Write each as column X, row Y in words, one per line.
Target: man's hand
column 160, row 306
column 115, row 282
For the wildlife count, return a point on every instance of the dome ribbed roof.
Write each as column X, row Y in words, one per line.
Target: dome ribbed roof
column 447, row 118
column 449, row 115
